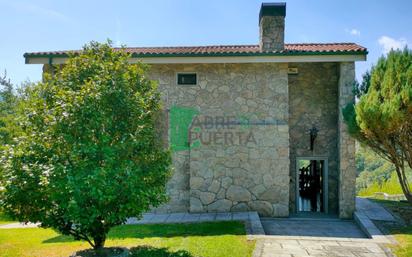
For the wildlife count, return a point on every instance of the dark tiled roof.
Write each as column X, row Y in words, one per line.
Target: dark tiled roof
column 226, row 50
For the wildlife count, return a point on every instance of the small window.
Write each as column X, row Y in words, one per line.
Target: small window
column 187, row 79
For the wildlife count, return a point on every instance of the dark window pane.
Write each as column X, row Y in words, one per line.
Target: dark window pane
column 186, row 79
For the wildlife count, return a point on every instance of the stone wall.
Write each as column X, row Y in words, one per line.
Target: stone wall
column 228, row 175
column 347, row 166
column 231, row 174
column 313, row 97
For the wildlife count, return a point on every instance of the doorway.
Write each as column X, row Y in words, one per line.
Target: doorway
column 312, row 185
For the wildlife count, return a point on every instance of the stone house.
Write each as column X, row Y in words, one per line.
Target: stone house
column 255, row 127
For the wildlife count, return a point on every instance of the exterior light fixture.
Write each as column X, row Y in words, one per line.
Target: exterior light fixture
column 313, row 134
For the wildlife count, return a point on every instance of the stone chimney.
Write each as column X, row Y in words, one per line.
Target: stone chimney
column 272, row 26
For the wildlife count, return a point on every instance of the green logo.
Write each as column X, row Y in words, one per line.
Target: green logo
column 189, row 130
column 180, row 119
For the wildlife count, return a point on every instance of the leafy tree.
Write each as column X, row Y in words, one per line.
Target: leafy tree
column 359, row 89
column 382, row 118
column 8, row 126
column 8, row 101
column 89, row 157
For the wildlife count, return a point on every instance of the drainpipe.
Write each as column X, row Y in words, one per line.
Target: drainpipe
column 51, row 66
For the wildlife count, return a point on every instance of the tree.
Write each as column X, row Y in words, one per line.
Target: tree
column 8, row 101
column 8, row 126
column 89, row 157
column 382, row 118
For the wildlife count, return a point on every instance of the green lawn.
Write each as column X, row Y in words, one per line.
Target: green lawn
column 404, row 237
column 402, row 234
column 211, row 239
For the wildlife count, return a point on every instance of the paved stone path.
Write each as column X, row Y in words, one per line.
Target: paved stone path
column 312, row 228
column 327, row 237
column 315, row 237
column 373, row 210
column 329, row 248
column 19, row 225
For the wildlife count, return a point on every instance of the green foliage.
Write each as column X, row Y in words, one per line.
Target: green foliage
column 371, row 168
column 362, row 88
column 382, row 118
column 89, row 156
column 4, row 219
column 8, row 126
column 390, row 186
column 8, row 101
column 402, row 233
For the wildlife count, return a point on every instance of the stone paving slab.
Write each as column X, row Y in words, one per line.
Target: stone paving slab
column 207, row 217
column 369, row 227
column 293, row 248
column 159, row 218
column 312, row 228
column 175, row 217
column 191, row 217
column 224, row 216
column 373, row 210
column 316, row 237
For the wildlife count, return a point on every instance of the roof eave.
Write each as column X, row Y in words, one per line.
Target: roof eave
column 48, row 58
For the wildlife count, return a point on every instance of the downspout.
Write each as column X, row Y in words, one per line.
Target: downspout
column 51, row 66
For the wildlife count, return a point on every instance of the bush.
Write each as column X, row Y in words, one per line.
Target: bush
column 89, row 157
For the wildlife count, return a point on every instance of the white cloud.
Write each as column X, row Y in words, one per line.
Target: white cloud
column 353, row 32
column 389, row 43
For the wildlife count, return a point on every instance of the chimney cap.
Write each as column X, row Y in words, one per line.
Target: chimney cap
column 272, row 9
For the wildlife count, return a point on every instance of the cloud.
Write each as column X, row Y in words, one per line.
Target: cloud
column 389, row 43
column 38, row 10
column 353, row 32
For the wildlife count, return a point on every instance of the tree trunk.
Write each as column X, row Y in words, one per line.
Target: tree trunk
column 99, row 241
column 403, row 181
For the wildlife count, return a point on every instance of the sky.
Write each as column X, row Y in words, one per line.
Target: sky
column 47, row 25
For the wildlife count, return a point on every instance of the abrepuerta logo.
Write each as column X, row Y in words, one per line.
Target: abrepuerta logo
column 189, row 129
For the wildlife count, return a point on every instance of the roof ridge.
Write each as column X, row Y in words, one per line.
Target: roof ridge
column 194, row 46
column 332, row 43
column 241, row 45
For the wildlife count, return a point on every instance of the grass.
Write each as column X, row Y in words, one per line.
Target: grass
column 211, row 239
column 404, row 238
column 391, row 204
column 403, row 234
column 390, row 186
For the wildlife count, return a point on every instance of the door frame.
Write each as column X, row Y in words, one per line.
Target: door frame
column 324, row 184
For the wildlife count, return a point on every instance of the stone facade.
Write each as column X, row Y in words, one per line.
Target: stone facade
column 231, row 175
column 346, row 145
column 258, row 173
column 313, row 98
column 272, row 33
